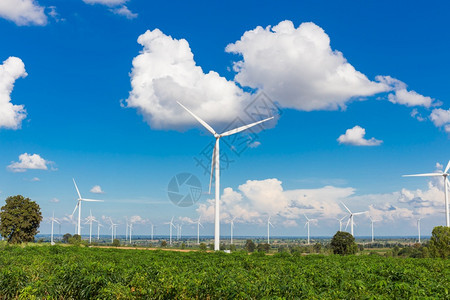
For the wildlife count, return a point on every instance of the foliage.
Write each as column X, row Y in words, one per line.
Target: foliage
column 75, row 239
column 249, row 246
column 56, row 272
column 263, row 248
column 203, row 246
column 343, row 243
column 232, row 247
column 317, row 247
column 440, row 242
column 20, row 219
column 163, row 243
column 116, row 243
column 66, row 238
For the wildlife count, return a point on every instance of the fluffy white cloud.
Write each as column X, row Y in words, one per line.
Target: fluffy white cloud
column 11, row 115
column 106, row 2
column 441, row 117
column 29, row 162
column 23, row 12
column 165, row 72
column 54, row 200
column 34, row 179
column 355, row 136
column 124, row 11
column 298, row 68
column 96, row 189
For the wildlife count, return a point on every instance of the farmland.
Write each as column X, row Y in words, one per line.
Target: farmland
column 81, row 272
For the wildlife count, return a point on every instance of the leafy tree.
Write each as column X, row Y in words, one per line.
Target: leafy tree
column 75, row 239
column 263, row 247
column 20, row 219
column 183, row 246
column 163, row 243
column 232, row 247
column 66, row 238
column 116, row 243
column 439, row 245
column 203, row 246
column 317, row 247
column 343, row 243
column 250, row 246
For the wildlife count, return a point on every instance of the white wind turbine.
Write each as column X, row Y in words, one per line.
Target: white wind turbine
column 308, row 220
column 418, row 227
column 152, row 229
column 371, row 221
column 131, row 229
column 113, row 229
column 232, row 229
column 350, row 217
column 98, row 228
column 215, row 164
column 78, row 206
column 89, row 221
column 126, row 228
column 53, row 221
column 446, row 187
column 198, row 230
column 170, row 230
column 340, row 222
column 268, row 230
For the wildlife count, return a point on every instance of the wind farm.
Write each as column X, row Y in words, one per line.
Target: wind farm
column 234, row 150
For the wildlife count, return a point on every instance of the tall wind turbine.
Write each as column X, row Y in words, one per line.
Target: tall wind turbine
column 113, row 229
column 89, row 221
column 126, row 229
column 198, row 230
column 418, row 227
column 340, row 222
column 78, row 206
column 232, row 228
column 350, row 218
column 152, row 229
column 268, row 230
column 371, row 221
column 53, row 221
column 446, row 187
column 170, row 230
column 131, row 229
column 98, row 228
column 215, row 164
column 307, row 224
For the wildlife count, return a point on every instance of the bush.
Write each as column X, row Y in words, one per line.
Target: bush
column 343, row 243
column 440, row 242
column 203, row 247
column 116, row 243
column 250, row 246
column 163, row 244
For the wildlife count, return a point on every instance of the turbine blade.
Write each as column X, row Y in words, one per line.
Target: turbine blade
column 213, row 163
column 79, row 195
column 360, row 213
column 242, row 128
column 209, row 128
column 348, row 222
column 423, row 175
column 91, row 200
column 306, row 217
column 346, row 207
column 76, row 206
column 447, row 167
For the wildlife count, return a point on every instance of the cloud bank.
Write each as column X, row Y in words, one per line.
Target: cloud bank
column 23, row 12
column 29, row 162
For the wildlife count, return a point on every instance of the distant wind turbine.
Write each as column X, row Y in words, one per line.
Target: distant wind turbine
column 446, row 187
column 152, row 229
column 78, row 206
column 98, row 228
column 198, row 230
column 215, row 164
column 340, row 222
column 418, row 227
column 268, row 230
column 113, row 229
column 53, row 221
column 170, row 230
column 371, row 222
column 232, row 229
column 89, row 221
column 308, row 220
column 351, row 215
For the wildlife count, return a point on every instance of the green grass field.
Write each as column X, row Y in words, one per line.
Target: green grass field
column 90, row 273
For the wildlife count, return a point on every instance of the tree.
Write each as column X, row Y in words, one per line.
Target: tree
column 343, row 243
column 317, row 247
column 163, row 243
column 116, row 243
column 203, row 246
column 250, row 246
column 66, row 238
column 75, row 239
column 20, row 219
column 439, row 245
column 264, row 247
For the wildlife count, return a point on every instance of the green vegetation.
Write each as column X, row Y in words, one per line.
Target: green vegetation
column 56, row 272
column 20, row 219
column 440, row 242
column 343, row 243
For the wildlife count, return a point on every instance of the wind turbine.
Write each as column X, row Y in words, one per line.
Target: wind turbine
column 268, row 230
column 152, row 229
column 170, row 230
column 126, row 229
column 350, row 218
column 371, row 221
column 53, row 220
column 232, row 228
column 98, row 228
column 307, row 224
column 198, row 230
column 78, row 206
column 446, row 186
column 340, row 222
column 215, row 164
column 418, row 227
column 89, row 221
column 113, row 227
column 131, row 229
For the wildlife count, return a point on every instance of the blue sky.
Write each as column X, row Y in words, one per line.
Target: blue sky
column 101, row 108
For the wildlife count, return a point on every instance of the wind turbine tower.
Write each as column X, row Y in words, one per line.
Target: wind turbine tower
column 215, row 164
column 351, row 215
column 53, row 221
column 268, row 230
column 418, row 227
column 198, row 230
column 232, row 229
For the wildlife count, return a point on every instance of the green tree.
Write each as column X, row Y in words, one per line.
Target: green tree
column 116, row 243
column 20, row 219
column 75, row 239
column 250, row 246
column 232, row 247
column 439, row 245
column 66, row 238
column 203, row 246
column 343, row 243
column 317, row 247
column 163, row 244
column 264, row 247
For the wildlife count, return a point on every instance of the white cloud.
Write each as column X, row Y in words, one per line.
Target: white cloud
column 23, row 12
column 298, row 68
column 54, row 200
column 34, row 179
column 11, row 115
column 355, row 136
column 441, row 118
column 137, row 219
column 404, row 97
column 165, row 72
column 29, row 162
column 106, row 2
column 96, row 189
column 124, row 11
